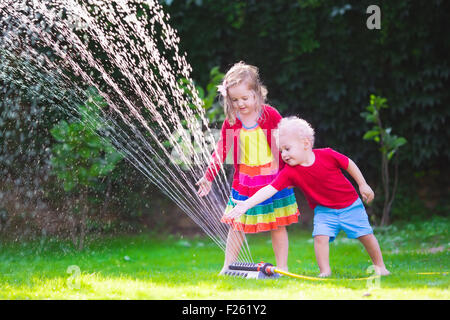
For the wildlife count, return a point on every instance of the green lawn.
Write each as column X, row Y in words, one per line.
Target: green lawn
column 168, row 267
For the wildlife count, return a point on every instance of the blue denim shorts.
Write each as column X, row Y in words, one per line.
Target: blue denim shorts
column 353, row 220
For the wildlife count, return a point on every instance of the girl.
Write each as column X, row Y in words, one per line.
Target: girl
column 249, row 127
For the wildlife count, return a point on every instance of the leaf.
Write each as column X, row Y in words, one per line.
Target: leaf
column 107, row 169
column 400, row 142
column 66, row 147
column 68, row 185
column 83, row 174
column 113, row 157
column 369, row 135
column 391, row 154
column 63, row 175
column 94, row 142
column 201, row 92
column 85, row 153
column 60, row 131
column 95, row 170
column 214, row 71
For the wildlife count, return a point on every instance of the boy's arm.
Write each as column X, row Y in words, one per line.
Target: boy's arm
column 366, row 192
column 260, row 196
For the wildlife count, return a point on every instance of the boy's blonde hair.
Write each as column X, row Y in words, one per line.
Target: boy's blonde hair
column 302, row 128
column 241, row 72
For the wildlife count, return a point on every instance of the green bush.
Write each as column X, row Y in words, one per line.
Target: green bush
column 81, row 156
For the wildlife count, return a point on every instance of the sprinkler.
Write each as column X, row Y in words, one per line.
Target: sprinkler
column 252, row 270
column 262, row 270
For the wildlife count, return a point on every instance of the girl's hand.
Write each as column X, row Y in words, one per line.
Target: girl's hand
column 240, row 208
column 367, row 193
column 204, row 187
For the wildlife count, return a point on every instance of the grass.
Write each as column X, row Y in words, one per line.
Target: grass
column 169, row 267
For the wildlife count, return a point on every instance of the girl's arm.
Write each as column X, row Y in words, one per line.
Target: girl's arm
column 366, row 192
column 218, row 157
column 242, row 206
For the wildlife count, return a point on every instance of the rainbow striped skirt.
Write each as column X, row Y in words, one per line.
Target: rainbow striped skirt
column 279, row 210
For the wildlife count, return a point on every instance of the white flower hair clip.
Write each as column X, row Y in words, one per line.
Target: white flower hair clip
column 222, row 88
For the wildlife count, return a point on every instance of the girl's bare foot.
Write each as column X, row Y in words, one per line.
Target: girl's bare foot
column 324, row 274
column 222, row 272
column 282, row 268
column 382, row 271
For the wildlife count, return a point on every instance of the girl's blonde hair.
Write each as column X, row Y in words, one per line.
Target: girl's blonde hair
column 239, row 73
column 302, row 128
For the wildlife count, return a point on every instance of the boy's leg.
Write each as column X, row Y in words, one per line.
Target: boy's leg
column 355, row 223
column 322, row 249
column 234, row 243
column 280, row 244
column 326, row 228
column 373, row 249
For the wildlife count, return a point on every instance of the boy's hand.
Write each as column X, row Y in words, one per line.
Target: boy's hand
column 364, row 189
column 240, row 208
column 367, row 193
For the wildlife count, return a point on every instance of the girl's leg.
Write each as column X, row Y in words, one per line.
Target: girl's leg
column 322, row 249
column 234, row 243
column 373, row 249
column 280, row 244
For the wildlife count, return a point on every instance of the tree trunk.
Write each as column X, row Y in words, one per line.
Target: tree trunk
column 389, row 196
column 394, row 190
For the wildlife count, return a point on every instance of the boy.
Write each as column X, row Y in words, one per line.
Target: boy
column 336, row 204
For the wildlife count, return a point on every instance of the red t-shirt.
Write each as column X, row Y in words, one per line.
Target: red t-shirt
column 322, row 183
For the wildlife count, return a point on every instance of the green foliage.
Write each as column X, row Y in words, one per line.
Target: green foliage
column 208, row 96
column 81, row 156
column 213, row 108
column 319, row 61
column 389, row 143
